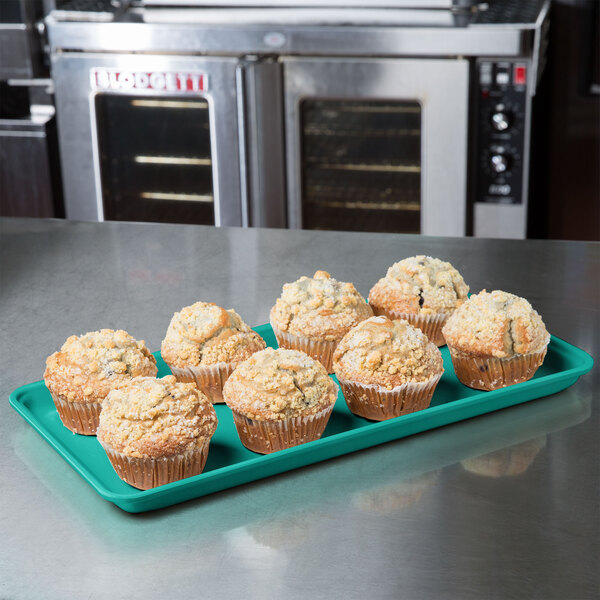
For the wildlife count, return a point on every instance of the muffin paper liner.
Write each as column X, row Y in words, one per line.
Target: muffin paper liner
column 209, row 379
column 79, row 417
column 146, row 473
column 265, row 437
column 321, row 350
column 490, row 373
column 430, row 325
column 379, row 404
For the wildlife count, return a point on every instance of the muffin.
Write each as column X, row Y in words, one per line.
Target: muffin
column 423, row 290
column 279, row 398
column 495, row 339
column 87, row 368
column 387, row 368
column 314, row 313
column 156, row 431
column 205, row 343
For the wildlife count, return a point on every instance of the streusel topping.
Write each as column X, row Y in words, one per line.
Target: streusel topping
column 110, row 352
column 150, row 417
column 420, row 285
column 87, row 367
column 387, row 353
column 279, row 384
column 319, row 307
column 496, row 324
column 205, row 334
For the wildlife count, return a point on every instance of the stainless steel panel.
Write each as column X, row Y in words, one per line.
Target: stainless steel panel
column 263, row 147
column 313, row 3
column 440, row 86
column 15, row 54
column 74, row 102
column 304, row 16
column 310, row 40
column 500, row 220
column 20, row 41
column 26, row 188
column 503, row 220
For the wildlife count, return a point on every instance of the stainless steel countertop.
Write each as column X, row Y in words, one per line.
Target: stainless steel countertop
column 427, row 517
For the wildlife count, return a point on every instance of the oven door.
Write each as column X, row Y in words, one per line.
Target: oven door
column 377, row 144
column 149, row 138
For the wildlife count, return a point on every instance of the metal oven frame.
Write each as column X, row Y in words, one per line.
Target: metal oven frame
column 255, row 137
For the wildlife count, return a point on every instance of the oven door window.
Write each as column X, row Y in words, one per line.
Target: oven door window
column 155, row 159
column 361, row 165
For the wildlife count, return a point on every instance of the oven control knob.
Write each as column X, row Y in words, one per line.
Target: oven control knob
column 499, row 163
column 501, row 120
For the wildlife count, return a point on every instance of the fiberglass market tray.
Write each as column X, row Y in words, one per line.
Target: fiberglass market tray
column 230, row 464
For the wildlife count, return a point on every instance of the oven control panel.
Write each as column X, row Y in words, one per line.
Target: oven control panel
column 501, row 110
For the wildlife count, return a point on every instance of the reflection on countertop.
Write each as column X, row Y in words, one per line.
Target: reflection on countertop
column 285, row 510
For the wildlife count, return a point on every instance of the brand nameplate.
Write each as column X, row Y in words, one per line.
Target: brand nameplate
column 158, row 81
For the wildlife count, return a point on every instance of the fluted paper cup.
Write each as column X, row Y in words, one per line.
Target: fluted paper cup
column 265, row 437
column 321, row 350
column 430, row 325
column 209, row 379
column 379, row 404
column 146, row 473
column 491, row 373
column 79, row 417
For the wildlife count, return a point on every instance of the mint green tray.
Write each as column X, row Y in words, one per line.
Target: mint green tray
column 231, row 464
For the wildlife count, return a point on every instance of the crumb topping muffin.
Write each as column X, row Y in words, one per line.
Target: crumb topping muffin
column 150, row 417
column 279, row 384
column 387, row 353
column 420, row 285
column 206, row 334
column 319, row 307
column 497, row 324
column 87, row 367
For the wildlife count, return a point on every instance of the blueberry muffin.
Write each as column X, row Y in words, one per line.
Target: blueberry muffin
column 496, row 339
column 87, row 368
column 424, row 291
column 204, row 343
column 387, row 368
column 279, row 398
column 314, row 313
column 156, row 431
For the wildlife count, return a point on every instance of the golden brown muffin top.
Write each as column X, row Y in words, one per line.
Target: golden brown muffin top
column 206, row 334
column 496, row 324
column 386, row 353
column 279, row 384
column 150, row 417
column 319, row 307
column 420, row 285
column 87, row 367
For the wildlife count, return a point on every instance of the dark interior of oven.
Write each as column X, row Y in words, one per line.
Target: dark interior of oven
column 361, row 165
column 155, row 158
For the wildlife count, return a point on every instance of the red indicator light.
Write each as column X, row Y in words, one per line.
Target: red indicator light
column 520, row 75
column 485, row 93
